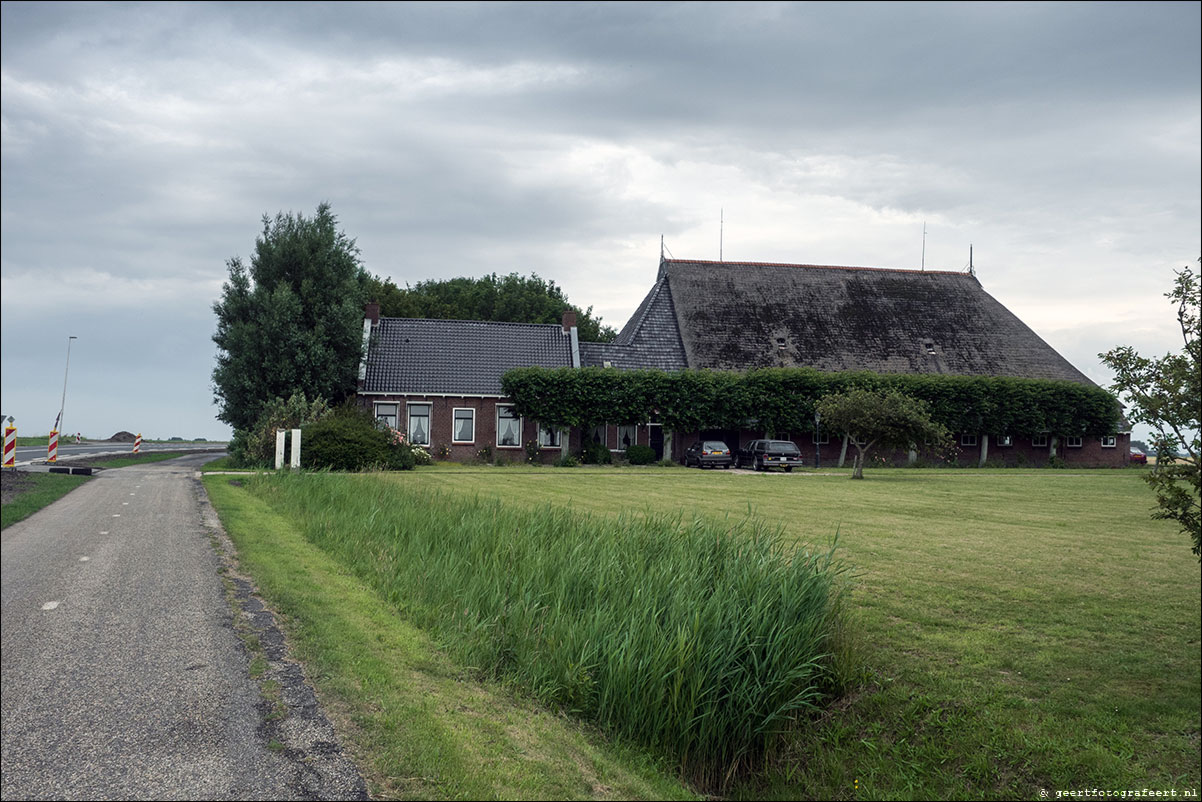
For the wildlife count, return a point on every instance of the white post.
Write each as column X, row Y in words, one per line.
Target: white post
column 565, row 441
column 843, row 452
column 295, row 448
column 280, row 434
column 984, row 451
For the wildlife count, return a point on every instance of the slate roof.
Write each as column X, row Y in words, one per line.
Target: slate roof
column 448, row 357
column 650, row 339
column 741, row 315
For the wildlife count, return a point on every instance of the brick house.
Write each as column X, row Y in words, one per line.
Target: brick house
column 439, row 381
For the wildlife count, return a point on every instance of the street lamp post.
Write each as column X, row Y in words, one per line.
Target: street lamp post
column 63, row 405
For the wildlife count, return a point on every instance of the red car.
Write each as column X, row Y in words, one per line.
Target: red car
column 1138, row 457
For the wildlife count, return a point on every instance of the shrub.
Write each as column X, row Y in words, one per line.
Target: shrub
column 640, row 455
column 484, row 454
column 532, row 451
column 352, row 441
column 255, row 447
column 566, row 461
column 595, row 454
column 419, row 455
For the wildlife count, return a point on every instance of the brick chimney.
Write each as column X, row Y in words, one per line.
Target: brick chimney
column 569, row 321
column 371, row 311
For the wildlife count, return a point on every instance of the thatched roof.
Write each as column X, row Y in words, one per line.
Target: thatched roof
column 742, row 315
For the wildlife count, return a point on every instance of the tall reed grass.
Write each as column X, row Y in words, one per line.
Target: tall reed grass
column 704, row 640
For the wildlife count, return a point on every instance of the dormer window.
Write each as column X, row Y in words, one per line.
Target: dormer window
column 929, row 347
column 780, row 343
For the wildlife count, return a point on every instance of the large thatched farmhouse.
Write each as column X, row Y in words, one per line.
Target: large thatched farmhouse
column 440, row 381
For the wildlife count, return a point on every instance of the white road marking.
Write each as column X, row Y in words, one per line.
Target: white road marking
column 50, row 605
column 104, row 533
column 124, row 503
column 116, row 515
column 84, row 559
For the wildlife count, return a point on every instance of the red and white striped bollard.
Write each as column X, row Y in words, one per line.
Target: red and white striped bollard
column 10, row 447
column 138, row 443
column 52, row 449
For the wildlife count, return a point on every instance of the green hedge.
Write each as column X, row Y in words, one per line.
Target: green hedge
column 783, row 399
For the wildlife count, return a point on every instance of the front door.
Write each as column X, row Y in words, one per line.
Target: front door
column 655, row 437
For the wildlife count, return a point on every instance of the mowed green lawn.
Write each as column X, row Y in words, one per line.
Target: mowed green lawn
column 1020, row 630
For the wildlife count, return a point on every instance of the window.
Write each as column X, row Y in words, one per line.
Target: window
column 1040, row 441
column 820, row 438
column 419, row 424
column 464, row 428
column 627, row 436
column 1005, row 440
column 509, row 428
column 548, row 438
column 387, row 413
column 1072, row 442
column 968, row 439
column 1109, row 441
column 599, row 435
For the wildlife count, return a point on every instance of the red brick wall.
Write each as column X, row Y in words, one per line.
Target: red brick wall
column 442, row 411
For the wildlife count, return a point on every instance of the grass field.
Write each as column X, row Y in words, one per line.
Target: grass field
column 1020, row 630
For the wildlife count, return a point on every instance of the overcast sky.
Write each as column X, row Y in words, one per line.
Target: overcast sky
column 142, row 144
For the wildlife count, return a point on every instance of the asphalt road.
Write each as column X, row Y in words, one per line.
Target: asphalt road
column 68, row 451
column 121, row 675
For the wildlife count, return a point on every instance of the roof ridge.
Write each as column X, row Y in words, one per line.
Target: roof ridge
column 816, row 267
column 458, row 320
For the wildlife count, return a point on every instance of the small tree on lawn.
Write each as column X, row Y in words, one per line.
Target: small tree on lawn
column 1165, row 394
column 889, row 419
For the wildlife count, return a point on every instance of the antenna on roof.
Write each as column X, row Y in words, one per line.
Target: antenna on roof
column 924, row 245
column 971, row 270
column 721, row 223
column 661, row 247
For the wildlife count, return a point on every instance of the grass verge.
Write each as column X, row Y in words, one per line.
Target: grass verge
column 30, row 492
column 416, row 724
column 698, row 638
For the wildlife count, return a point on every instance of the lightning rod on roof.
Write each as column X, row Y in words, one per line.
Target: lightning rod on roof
column 721, row 223
column 971, row 270
column 924, row 246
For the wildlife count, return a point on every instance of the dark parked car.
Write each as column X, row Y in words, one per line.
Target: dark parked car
column 763, row 455
column 1138, row 457
column 708, row 452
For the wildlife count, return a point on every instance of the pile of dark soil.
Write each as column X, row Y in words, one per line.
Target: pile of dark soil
column 13, row 484
column 123, row 437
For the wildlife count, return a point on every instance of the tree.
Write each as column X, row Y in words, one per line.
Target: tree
column 1166, row 393
column 890, row 419
column 512, row 298
column 292, row 321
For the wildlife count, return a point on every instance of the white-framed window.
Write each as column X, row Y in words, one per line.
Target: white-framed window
column 968, row 439
column 463, row 425
column 387, row 413
column 627, row 436
column 1040, row 441
column 1072, row 442
column 1109, row 441
column 600, row 434
column 509, row 428
column 820, row 438
column 1005, row 440
column 419, row 424
column 548, row 437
